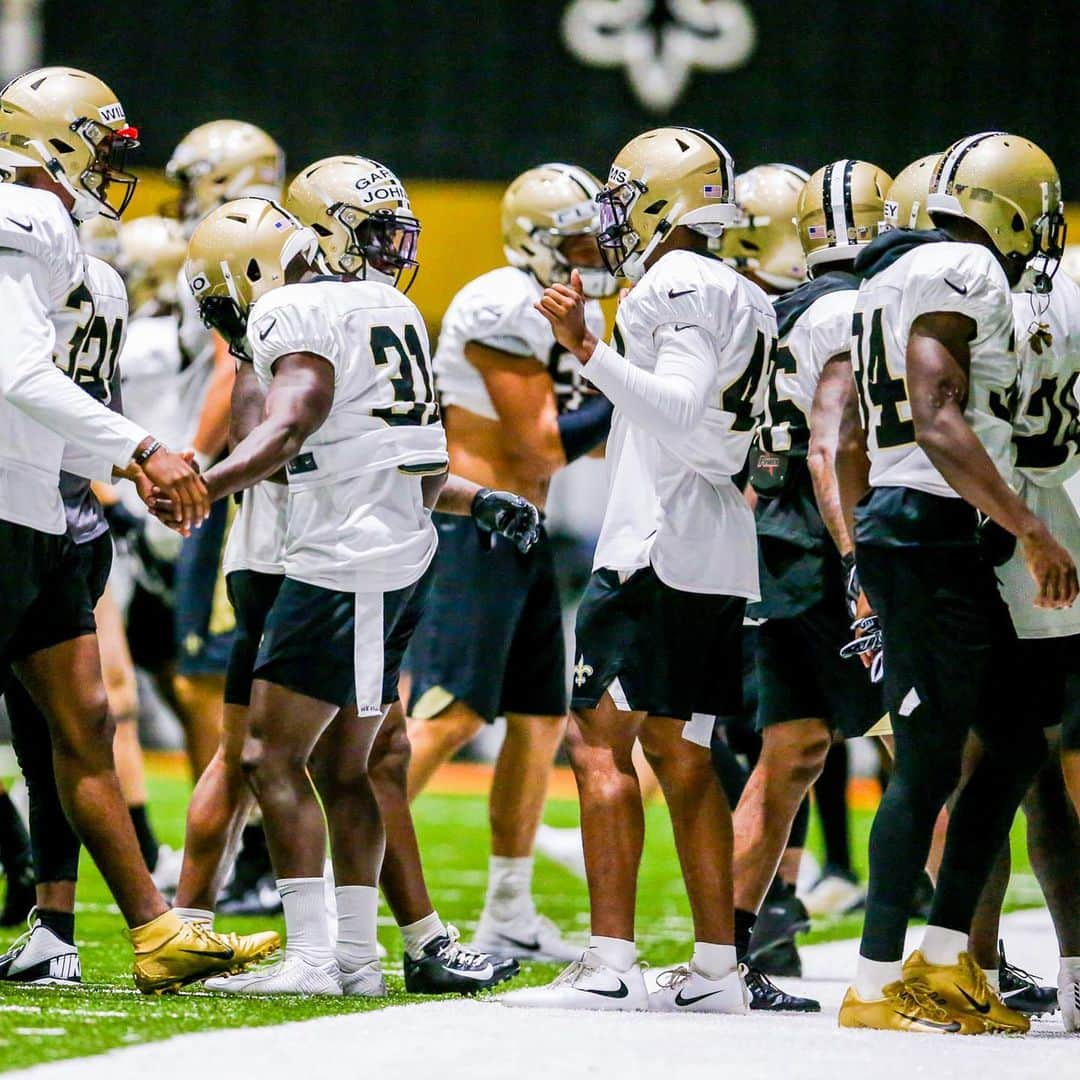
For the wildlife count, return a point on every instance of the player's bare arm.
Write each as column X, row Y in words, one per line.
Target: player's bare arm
column 297, row 404
column 826, row 416
column 938, row 360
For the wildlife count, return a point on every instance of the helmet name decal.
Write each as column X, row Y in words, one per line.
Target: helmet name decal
column 110, row 114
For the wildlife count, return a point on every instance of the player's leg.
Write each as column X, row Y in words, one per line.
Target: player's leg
column 838, row 890
column 16, row 863
column 436, row 738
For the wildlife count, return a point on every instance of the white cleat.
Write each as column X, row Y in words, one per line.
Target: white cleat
column 529, row 936
column 834, row 894
column 166, row 875
column 585, row 984
column 1069, row 993
column 40, row 958
column 562, row 846
column 367, row 981
column 685, row 989
column 290, row 975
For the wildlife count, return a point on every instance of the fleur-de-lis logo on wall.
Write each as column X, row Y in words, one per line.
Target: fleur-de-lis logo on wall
column 660, row 42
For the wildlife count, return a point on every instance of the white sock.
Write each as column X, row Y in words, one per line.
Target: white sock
column 872, row 976
column 714, row 961
column 509, row 888
column 613, row 952
column 357, row 925
column 941, row 946
column 194, row 914
column 307, row 934
column 416, row 935
column 993, row 977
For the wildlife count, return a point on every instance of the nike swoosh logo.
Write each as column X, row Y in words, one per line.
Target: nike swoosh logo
column 528, row 946
column 264, row 333
column 478, row 976
column 25, row 228
column 623, row 991
column 687, row 326
column 934, row 1025
column 228, row 954
column 980, row 1007
column 685, row 1001
column 673, row 295
column 956, row 288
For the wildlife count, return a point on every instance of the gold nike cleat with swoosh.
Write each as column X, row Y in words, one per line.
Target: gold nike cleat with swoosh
column 963, row 990
column 907, row 1005
column 171, row 953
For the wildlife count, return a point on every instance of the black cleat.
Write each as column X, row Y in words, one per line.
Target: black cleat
column 781, row 961
column 782, row 916
column 766, row 996
column 260, row 897
column 448, row 967
column 40, row 958
column 20, row 898
column 923, row 898
column 1021, row 991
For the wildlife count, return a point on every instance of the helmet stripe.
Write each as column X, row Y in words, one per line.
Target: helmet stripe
column 947, row 167
column 727, row 165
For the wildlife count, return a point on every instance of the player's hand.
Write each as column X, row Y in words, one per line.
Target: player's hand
column 564, row 307
column 1052, row 568
column 178, row 480
column 508, row 515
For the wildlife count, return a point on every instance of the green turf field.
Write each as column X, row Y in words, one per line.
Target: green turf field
column 46, row 1025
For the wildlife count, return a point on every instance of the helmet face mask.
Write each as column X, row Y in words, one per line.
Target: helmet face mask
column 106, row 172
column 223, row 315
column 385, row 242
column 617, row 239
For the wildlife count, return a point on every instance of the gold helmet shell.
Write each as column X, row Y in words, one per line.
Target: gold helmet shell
column 765, row 241
column 239, row 252
column 905, row 201
column 840, row 210
column 151, row 253
column 1007, row 186
column 361, row 214
column 71, row 124
column 223, row 160
column 660, row 180
column 541, row 209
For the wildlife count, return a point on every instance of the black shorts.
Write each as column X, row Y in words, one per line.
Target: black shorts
column 151, row 630
column 950, row 651
column 64, row 608
column 492, row 635
column 672, row 653
column 1052, row 690
column 332, row 645
column 800, row 674
column 252, row 595
column 204, row 620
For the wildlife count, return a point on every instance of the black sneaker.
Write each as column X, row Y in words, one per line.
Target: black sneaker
column 39, row 957
column 782, row 916
column 766, row 996
column 1021, row 991
column 448, row 967
column 260, row 897
column 782, row 961
column 20, row 897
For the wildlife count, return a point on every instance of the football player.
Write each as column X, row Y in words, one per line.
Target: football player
column 16, row 862
column 807, row 694
column 935, row 371
column 65, row 136
column 659, row 630
column 490, row 643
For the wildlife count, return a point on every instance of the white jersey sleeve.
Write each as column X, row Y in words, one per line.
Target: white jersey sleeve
column 283, row 323
column 36, row 224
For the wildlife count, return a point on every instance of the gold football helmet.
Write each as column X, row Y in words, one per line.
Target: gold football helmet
column 905, row 201
column 223, row 160
column 840, row 210
column 1008, row 187
column 361, row 214
column 764, row 241
column 70, row 123
column 543, row 208
column 660, row 180
column 239, row 252
column 150, row 256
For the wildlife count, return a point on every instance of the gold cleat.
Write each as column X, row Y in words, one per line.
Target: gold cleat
column 963, row 990
column 171, row 953
column 905, row 1006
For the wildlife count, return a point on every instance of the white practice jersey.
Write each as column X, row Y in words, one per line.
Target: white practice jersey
column 356, row 520
column 257, row 535
column 1047, row 439
column 946, row 276
column 41, row 272
column 819, row 333
column 671, row 500
column 497, row 310
column 196, row 344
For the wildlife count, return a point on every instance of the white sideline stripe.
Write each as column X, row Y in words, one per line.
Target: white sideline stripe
column 475, row 1040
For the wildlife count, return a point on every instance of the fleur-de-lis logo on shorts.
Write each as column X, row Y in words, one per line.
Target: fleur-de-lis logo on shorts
column 582, row 671
column 660, row 42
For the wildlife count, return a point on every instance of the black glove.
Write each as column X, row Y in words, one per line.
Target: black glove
column 869, row 639
column 852, row 588
column 508, row 515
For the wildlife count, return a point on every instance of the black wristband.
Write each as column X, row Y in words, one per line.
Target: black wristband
column 585, row 428
column 140, row 457
column 848, row 563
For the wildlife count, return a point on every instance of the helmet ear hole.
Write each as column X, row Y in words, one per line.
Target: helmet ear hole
column 1017, row 223
column 655, row 207
column 253, row 271
column 321, row 230
column 61, row 147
